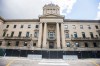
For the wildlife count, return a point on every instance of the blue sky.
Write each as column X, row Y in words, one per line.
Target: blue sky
column 30, row 9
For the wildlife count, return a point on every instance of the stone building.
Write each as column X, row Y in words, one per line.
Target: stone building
column 51, row 35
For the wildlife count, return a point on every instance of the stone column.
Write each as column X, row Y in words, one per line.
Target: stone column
column 63, row 35
column 40, row 36
column 45, row 35
column 58, row 35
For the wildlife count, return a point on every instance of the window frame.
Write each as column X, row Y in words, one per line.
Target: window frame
column 21, row 26
column 68, row 44
column 15, row 26
column 81, row 26
column 37, row 26
column 7, row 26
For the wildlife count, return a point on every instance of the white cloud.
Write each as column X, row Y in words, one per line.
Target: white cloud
column 99, row 6
column 98, row 13
column 65, row 4
column 31, row 8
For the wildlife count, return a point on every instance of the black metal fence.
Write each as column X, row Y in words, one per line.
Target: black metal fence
column 49, row 54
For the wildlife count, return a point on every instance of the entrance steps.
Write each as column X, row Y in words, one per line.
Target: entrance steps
column 53, row 62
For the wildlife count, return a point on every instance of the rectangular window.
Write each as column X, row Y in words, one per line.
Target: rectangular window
column 36, row 34
column 91, row 34
column 74, row 27
column 66, row 26
column 95, row 45
column 27, row 34
column 68, row 44
column 37, row 26
column 19, row 35
column 77, row 44
column 89, row 27
column 96, row 26
column 12, row 34
column 14, row 26
column 21, row 26
column 25, row 43
column 67, row 35
column 99, row 34
column 81, row 26
column 17, row 43
column 8, row 44
column 86, row 44
column 75, row 34
column 0, row 43
column 83, row 34
column 51, row 34
column 4, row 33
column 7, row 26
column 29, row 26
column 34, row 44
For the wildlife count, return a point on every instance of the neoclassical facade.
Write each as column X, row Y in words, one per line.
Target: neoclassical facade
column 51, row 32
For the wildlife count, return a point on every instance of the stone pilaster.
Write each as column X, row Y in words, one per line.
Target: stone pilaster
column 40, row 35
column 45, row 35
column 58, row 35
column 63, row 35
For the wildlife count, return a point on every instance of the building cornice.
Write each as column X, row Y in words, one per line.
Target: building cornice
column 22, row 20
column 73, row 20
column 38, row 20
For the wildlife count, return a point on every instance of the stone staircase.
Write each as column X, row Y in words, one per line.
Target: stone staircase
column 53, row 62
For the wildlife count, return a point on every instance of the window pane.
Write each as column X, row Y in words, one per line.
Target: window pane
column 12, row 34
column 17, row 43
column 86, row 44
column 25, row 43
column 4, row 34
column 77, row 45
column 37, row 26
column 19, row 35
column 83, row 34
column 96, row 27
column 14, row 26
column 0, row 43
column 8, row 44
column 21, row 26
column 68, row 44
column 34, row 44
column 36, row 34
column 91, row 34
column 81, row 26
column 89, row 27
column 95, row 45
column 75, row 35
column 67, row 35
column 7, row 26
column 29, row 26
column 74, row 27
column 27, row 34
column 66, row 26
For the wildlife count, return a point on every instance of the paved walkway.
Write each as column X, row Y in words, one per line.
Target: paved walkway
column 16, row 61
